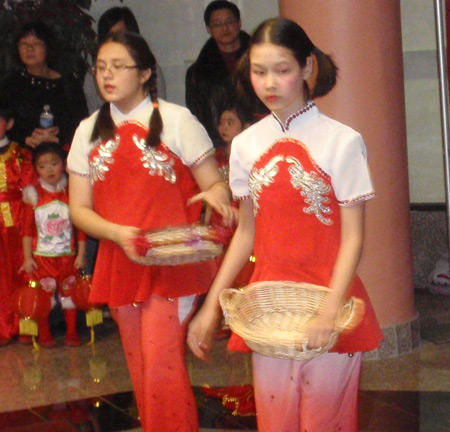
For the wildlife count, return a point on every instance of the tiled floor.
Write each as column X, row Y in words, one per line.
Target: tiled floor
column 88, row 388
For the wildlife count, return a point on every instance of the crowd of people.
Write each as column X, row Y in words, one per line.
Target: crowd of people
column 118, row 160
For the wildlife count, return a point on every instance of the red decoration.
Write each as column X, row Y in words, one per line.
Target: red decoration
column 239, row 399
column 80, row 294
column 31, row 301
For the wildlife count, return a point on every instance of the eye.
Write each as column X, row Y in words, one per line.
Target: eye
column 257, row 72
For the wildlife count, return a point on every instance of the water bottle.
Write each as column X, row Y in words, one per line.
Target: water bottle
column 46, row 118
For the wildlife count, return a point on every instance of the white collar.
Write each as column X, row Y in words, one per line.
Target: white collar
column 4, row 142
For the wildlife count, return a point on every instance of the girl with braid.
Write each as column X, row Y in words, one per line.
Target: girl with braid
column 142, row 163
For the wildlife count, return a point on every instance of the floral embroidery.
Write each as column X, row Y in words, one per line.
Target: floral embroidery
column 313, row 189
column 55, row 226
column 98, row 166
column 157, row 162
column 263, row 177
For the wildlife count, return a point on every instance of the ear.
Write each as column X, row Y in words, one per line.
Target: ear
column 145, row 75
column 208, row 29
column 307, row 69
column 9, row 124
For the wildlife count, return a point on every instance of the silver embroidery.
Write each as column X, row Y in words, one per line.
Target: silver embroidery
column 97, row 165
column 262, row 177
column 157, row 162
column 313, row 188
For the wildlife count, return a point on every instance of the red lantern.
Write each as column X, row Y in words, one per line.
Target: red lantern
column 80, row 296
column 32, row 303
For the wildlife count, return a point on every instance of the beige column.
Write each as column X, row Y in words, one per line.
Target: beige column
column 364, row 38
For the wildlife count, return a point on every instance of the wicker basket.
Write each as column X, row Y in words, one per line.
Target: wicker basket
column 180, row 245
column 272, row 316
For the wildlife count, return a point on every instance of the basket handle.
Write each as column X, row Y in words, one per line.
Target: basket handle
column 228, row 297
column 357, row 309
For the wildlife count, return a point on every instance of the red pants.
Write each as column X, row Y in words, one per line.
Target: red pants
column 154, row 344
column 315, row 396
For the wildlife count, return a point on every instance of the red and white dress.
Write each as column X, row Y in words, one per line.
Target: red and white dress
column 54, row 239
column 16, row 171
column 145, row 188
column 298, row 175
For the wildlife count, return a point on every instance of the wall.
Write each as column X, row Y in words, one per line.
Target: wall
column 426, row 170
column 176, row 32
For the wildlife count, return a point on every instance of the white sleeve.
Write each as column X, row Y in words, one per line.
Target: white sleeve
column 78, row 158
column 350, row 174
column 240, row 166
column 191, row 141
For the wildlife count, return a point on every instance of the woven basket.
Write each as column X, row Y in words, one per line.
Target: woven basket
column 272, row 316
column 180, row 245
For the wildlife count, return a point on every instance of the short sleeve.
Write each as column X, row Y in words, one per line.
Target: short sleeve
column 191, row 141
column 78, row 158
column 239, row 171
column 350, row 174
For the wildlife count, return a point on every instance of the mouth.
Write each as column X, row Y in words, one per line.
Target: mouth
column 271, row 98
column 108, row 88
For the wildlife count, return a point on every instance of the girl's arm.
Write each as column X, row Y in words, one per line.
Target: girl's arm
column 86, row 219
column 80, row 260
column 29, row 264
column 215, row 191
column 202, row 328
column 352, row 237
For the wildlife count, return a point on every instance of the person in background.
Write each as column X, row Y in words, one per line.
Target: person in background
column 16, row 171
column 209, row 81
column 171, row 159
column 38, row 83
column 53, row 251
column 112, row 20
column 302, row 180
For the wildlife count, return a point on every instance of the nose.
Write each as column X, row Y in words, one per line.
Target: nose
column 269, row 80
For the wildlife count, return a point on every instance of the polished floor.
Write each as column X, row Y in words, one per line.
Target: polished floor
column 88, row 389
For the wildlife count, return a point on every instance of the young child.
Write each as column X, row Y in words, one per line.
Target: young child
column 51, row 253
column 232, row 121
column 16, row 171
column 302, row 180
column 133, row 166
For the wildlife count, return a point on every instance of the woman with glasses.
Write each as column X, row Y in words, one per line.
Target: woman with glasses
column 134, row 165
column 38, row 83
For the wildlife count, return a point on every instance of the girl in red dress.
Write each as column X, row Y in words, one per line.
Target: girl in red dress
column 302, row 180
column 135, row 165
column 16, row 171
column 53, row 250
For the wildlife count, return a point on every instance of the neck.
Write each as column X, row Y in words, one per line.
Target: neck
column 230, row 47
column 39, row 70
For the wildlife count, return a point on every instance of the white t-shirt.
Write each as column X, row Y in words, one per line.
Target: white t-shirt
column 337, row 150
column 182, row 134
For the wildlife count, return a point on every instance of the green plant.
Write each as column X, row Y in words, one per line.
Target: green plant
column 69, row 21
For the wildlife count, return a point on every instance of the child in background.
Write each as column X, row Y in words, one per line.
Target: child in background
column 232, row 121
column 302, row 180
column 16, row 171
column 134, row 166
column 51, row 253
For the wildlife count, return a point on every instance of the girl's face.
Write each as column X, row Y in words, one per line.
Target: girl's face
column 277, row 78
column 229, row 125
column 50, row 168
column 32, row 51
column 118, row 79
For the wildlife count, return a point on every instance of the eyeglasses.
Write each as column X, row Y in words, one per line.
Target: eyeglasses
column 114, row 68
column 228, row 22
column 33, row 46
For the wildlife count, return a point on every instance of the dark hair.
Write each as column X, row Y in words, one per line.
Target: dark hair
column 43, row 33
column 46, row 148
column 6, row 114
column 111, row 17
column 243, row 113
column 288, row 34
column 139, row 50
column 220, row 4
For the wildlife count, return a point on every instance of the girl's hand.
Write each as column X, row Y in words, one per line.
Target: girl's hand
column 80, row 262
column 218, row 197
column 124, row 237
column 319, row 330
column 28, row 266
column 40, row 135
column 201, row 331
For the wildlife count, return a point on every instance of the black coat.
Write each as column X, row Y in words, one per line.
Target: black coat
column 209, row 85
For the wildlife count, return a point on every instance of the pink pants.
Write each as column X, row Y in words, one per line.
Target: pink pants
column 154, row 344
column 315, row 396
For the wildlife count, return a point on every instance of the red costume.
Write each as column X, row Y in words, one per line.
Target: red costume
column 16, row 171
